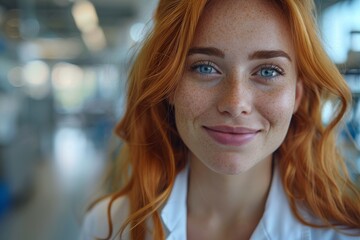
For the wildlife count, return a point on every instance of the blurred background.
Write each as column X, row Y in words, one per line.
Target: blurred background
column 63, row 67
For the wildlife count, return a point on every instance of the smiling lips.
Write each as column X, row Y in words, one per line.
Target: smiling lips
column 233, row 136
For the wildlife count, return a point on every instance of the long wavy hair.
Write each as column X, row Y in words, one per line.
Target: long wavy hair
column 313, row 173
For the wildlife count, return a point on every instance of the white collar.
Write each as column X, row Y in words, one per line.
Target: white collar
column 174, row 211
column 278, row 222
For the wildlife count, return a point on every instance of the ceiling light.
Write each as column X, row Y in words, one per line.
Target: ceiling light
column 85, row 16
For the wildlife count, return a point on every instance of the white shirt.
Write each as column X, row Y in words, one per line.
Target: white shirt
column 277, row 222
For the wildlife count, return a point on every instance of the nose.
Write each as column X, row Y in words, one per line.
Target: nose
column 236, row 98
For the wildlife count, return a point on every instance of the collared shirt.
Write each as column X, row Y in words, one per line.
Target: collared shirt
column 277, row 222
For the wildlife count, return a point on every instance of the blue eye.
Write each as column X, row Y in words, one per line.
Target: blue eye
column 270, row 72
column 204, row 68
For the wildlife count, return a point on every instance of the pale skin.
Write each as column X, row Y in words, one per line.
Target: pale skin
column 233, row 108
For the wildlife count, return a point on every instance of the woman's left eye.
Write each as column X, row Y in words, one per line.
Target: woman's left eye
column 270, row 72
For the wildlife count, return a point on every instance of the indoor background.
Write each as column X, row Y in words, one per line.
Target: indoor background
column 63, row 67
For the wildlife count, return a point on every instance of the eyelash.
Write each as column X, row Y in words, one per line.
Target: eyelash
column 195, row 67
column 271, row 67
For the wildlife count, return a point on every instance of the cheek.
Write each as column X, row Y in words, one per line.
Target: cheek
column 278, row 107
column 189, row 101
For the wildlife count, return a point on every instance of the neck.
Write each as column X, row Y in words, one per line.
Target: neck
column 229, row 197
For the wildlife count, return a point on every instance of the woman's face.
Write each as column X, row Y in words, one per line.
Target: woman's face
column 240, row 88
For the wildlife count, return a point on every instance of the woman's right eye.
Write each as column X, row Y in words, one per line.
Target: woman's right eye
column 204, row 68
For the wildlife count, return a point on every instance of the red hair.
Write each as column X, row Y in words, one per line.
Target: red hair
column 312, row 170
column 156, row 152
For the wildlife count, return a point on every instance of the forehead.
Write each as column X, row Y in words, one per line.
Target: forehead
column 228, row 23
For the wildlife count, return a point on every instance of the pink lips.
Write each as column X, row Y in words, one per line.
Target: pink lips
column 233, row 136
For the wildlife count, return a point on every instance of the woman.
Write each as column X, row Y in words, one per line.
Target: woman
column 223, row 130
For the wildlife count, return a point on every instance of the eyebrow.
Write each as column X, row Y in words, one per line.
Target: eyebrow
column 207, row 51
column 263, row 54
column 269, row 54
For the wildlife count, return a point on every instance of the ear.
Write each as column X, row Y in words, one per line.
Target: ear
column 299, row 91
